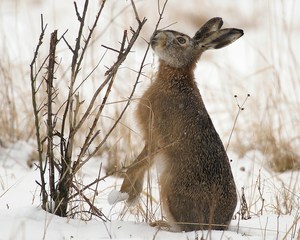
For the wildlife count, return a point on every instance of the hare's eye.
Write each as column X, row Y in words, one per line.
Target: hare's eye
column 181, row 40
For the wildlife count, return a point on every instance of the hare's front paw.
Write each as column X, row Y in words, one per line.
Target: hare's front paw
column 115, row 196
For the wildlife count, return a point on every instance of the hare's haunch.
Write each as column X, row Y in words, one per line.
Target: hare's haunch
column 197, row 186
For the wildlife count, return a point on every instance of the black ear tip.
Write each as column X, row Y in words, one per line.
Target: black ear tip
column 219, row 19
column 238, row 31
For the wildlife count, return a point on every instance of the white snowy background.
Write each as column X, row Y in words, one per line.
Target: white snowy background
column 262, row 63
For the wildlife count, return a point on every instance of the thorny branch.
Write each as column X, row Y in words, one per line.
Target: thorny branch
column 50, row 125
column 33, row 78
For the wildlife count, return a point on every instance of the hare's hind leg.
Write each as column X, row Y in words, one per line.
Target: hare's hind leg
column 174, row 227
column 134, row 177
column 165, row 195
column 184, row 211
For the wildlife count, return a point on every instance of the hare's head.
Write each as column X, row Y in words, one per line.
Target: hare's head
column 179, row 50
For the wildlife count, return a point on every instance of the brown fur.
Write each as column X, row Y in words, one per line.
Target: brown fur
column 197, row 186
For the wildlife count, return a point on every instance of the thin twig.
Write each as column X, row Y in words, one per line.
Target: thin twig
column 135, row 12
column 77, row 12
column 112, row 49
column 97, row 184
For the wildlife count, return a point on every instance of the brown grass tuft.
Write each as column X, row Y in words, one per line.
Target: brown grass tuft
column 280, row 154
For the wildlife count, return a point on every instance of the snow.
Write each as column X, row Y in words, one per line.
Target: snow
column 116, row 196
column 21, row 216
column 276, row 194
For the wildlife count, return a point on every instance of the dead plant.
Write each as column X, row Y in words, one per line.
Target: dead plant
column 63, row 123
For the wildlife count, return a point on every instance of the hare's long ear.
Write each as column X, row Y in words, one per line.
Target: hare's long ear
column 211, row 25
column 210, row 36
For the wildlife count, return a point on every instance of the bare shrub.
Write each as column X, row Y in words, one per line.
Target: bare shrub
column 59, row 126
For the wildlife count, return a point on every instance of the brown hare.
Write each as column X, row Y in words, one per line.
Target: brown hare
column 197, row 186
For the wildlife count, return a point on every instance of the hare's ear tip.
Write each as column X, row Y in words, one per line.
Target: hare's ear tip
column 241, row 31
column 237, row 32
column 218, row 18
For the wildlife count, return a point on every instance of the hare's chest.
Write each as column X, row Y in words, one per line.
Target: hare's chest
column 155, row 111
column 160, row 121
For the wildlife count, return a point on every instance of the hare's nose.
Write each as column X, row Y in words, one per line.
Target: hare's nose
column 154, row 36
column 157, row 33
column 158, row 37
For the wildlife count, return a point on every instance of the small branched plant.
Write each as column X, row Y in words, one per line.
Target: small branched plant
column 240, row 109
column 244, row 211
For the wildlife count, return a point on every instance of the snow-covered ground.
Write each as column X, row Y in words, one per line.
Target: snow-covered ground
column 273, row 198
column 22, row 218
